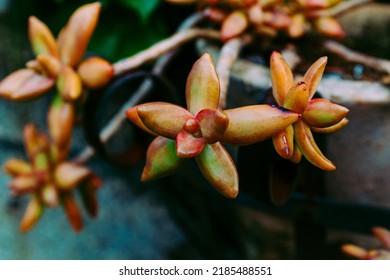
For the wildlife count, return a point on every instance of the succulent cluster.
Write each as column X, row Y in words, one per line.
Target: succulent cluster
column 47, row 175
column 268, row 17
column 57, row 63
column 50, row 181
column 199, row 131
column 318, row 114
column 383, row 253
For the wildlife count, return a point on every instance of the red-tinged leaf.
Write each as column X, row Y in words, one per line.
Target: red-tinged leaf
column 277, row 19
column 132, row 115
column 68, row 175
column 330, row 27
column 297, row 155
column 219, row 169
column 354, row 251
column 305, row 141
column 72, row 211
column 69, row 84
column 32, row 214
column 161, row 159
column 202, row 88
column 321, row 113
column 281, row 77
column 74, row 38
column 60, row 118
column 331, row 129
column 313, row 75
column 164, row 119
column 41, row 39
column 297, row 98
column 25, row 84
column 24, row 184
column 284, row 142
column 34, row 141
column 255, row 123
column 213, row 124
column 255, row 14
column 95, row 72
column 233, row 25
column 383, row 235
column 17, row 167
column 188, row 146
column 89, row 196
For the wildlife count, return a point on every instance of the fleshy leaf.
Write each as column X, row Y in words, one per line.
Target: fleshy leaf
column 69, row 84
column 25, row 84
column 219, row 169
column 297, row 98
column 233, row 25
column 50, row 64
column 313, row 75
column 16, row 167
column 95, row 72
column 72, row 211
column 331, row 129
column 41, row 39
column 187, row 145
column 213, row 124
column 60, row 120
column 202, row 88
column 305, row 141
column 88, row 195
column 161, row 159
column 132, row 115
column 164, row 119
column 32, row 214
column 284, row 142
column 281, row 77
column 68, row 175
column 330, row 27
column 49, row 195
column 321, row 112
column 297, row 26
column 75, row 36
column 24, row 184
column 255, row 123
column 383, row 235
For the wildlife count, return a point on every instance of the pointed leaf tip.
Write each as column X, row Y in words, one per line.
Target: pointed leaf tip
column 281, row 77
column 41, row 39
column 74, row 38
column 202, row 87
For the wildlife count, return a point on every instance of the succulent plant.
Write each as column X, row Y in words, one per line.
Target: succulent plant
column 199, row 131
column 383, row 235
column 50, row 181
column 318, row 114
column 270, row 16
column 57, row 62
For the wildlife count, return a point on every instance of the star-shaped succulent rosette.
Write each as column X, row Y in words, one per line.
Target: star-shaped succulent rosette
column 199, row 130
column 50, row 181
column 318, row 114
column 57, row 63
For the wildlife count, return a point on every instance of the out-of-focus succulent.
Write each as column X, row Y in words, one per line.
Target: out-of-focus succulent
column 57, row 62
column 267, row 17
column 50, row 181
column 383, row 235
column 199, row 131
column 318, row 114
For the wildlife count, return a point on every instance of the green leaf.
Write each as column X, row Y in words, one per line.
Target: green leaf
column 144, row 8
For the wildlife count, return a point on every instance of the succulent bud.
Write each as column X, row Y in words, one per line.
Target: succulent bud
column 95, row 72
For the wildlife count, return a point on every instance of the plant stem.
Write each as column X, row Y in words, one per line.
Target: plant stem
column 357, row 57
column 162, row 47
column 229, row 54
